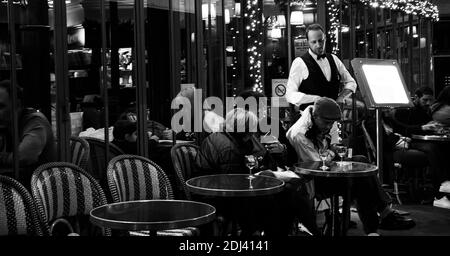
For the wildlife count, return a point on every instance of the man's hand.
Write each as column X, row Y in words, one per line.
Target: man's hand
column 331, row 155
column 432, row 126
column 344, row 94
column 276, row 147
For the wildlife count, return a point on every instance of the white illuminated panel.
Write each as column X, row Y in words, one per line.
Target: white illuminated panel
column 385, row 84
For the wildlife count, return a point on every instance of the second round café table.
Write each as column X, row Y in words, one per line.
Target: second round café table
column 152, row 215
column 435, row 138
column 347, row 171
column 229, row 186
column 234, row 185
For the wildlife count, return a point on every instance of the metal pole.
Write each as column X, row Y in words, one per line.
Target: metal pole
column 379, row 144
column 104, row 84
column 62, row 81
column 288, row 32
column 139, row 71
column 13, row 79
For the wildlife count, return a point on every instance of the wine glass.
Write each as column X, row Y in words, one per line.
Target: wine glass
column 341, row 150
column 323, row 153
column 251, row 162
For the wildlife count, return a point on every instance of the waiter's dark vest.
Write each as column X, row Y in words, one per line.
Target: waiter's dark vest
column 316, row 83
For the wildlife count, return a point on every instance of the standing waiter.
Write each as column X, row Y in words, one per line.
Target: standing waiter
column 316, row 74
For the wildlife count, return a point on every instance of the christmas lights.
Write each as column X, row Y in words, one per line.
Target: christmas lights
column 253, row 15
column 422, row 8
column 333, row 10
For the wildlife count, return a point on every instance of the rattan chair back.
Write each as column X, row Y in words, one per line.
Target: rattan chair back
column 63, row 190
column 132, row 177
column 80, row 151
column 183, row 159
column 18, row 212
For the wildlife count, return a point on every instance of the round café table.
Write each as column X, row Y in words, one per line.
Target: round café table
column 435, row 138
column 152, row 215
column 347, row 171
column 234, row 185
column 229, row 188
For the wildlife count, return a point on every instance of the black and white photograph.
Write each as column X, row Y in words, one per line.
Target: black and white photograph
column 224, row 127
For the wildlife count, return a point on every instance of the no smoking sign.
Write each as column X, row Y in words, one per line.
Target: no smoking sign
column 280, row 90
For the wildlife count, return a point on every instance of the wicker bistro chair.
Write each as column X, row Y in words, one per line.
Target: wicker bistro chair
column 183, row 159
column 66, row 194
column 18, row 212
column 80, row 151
column 97, row 159
column 132, row 177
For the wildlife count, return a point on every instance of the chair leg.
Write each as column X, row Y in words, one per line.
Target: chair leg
column 397, row 193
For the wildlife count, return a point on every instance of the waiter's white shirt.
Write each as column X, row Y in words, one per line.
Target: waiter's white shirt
column 299, row 72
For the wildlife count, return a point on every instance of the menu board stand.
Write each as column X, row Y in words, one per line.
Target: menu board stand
column 382, row 86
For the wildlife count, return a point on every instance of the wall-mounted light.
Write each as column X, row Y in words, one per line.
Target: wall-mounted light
column 213, row 11
column 414, row 30
column 276, row 33
column 237, row 9
column 227, row 16
column 281, row 21
column 423, row 42
column 206, row 8
column 205, row 11
column 345, row 29
column 297, row 18
column 229, row 49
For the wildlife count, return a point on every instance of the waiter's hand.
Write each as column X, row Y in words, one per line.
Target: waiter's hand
column 344, row 94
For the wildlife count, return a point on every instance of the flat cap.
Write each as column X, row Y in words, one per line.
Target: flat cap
column 327, row 109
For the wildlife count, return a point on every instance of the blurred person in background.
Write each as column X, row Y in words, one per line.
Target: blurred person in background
column 125, row 137
column 36, row 141
column 225, row 152
column 440, row 110
column 418, row 120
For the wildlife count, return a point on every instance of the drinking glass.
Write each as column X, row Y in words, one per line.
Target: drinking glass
column 251, row 162
column 323, row 153
column 341, row 150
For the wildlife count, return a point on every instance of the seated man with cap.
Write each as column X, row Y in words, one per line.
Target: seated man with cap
column 317, row 129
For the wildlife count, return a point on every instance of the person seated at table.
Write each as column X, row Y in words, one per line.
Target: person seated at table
column 440, row 110
column 317, row 129
column 93, row 112
column 156, row 128
column 224, row 153
column 294, row 197
column 418, row 120
column 396, row 148
column 125, row 137
column 278, row 146
column 36, row 144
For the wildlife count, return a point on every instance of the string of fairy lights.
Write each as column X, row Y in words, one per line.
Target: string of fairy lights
column 254, row 32
column 333, row 10
column 422, row 8
column 253, row 15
